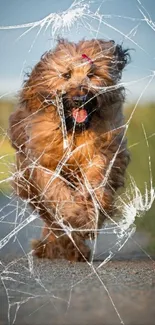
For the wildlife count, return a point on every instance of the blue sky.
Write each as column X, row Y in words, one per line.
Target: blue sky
column 123, row 21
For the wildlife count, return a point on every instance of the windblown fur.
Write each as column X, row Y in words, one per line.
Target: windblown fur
column 72, row 188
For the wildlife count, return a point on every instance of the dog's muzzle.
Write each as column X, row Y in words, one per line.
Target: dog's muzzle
column 79, row 108
column 80, row 111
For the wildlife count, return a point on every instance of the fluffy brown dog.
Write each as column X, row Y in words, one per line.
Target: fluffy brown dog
column 69, row 137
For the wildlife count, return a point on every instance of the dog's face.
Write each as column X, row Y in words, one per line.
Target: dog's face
column 85, row 74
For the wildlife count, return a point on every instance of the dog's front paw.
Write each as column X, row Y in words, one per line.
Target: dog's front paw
column 47, row 249
column 82, row 253
column 39, row 248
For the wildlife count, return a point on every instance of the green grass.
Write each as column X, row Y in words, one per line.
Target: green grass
column 7, row 158
column 143, row 121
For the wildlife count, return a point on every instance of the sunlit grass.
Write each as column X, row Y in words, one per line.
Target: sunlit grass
column 7, row 158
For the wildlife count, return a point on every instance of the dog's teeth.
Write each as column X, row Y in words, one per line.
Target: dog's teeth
column 80, row 97
column 76, row 98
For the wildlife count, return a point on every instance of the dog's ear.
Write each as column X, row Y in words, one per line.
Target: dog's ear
column 17, row 125
column 121, row 58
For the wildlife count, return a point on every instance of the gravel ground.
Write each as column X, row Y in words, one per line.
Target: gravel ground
column 60, row 292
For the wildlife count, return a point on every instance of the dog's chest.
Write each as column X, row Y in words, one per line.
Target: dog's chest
column 81, row 155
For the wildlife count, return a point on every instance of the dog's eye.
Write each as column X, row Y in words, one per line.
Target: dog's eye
column 66, row 75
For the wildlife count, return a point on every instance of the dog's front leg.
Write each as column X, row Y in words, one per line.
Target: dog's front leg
column 57, row 198
column 64, row 217
column 97, row 185
column 106, row 174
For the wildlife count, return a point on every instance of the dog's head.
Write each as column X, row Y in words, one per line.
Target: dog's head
column 85, row 74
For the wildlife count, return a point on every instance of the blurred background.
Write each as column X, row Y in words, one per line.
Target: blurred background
column 131, row 23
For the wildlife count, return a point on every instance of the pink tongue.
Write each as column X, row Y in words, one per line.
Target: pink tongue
column 79, row 115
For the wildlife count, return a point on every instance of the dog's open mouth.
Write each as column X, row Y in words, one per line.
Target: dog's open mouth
column 79, row 112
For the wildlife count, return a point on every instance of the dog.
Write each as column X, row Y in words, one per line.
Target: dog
column 69, row 135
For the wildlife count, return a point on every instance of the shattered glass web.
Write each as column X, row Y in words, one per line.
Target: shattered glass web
column 131, row 204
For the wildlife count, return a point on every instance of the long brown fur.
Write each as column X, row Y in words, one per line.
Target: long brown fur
column 73, row 195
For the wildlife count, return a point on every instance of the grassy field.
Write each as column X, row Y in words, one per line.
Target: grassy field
column 7, row 157
column 6, row 151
